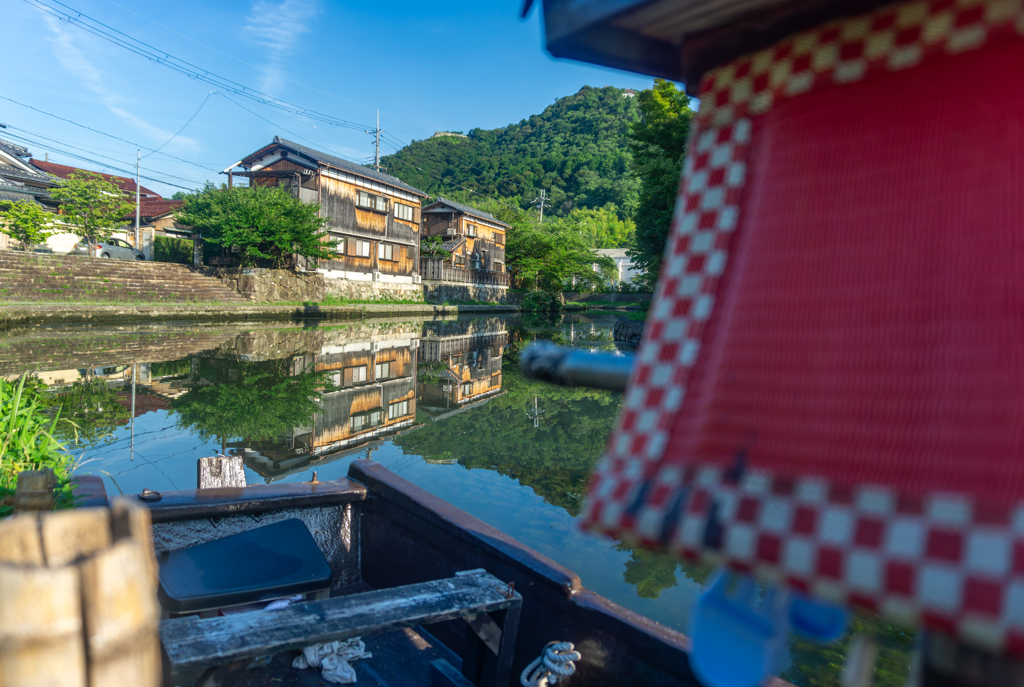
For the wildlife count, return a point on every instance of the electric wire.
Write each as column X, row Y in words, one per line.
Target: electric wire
column 143, row 49
column 103, row 133
column 205, row 100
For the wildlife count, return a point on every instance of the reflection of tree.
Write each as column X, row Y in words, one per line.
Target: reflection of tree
column 555, row 459
column 649, row 572
column 89, row 412
column 817, row 665
column 256, row 400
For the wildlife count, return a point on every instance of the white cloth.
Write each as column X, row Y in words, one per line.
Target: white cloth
column 333, row 659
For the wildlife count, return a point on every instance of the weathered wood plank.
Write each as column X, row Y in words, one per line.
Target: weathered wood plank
column 20, row 543
column 121, row 616
column 34, row 491
column 193, row 643
column 70, row 535
column 41, row 640
column 216, row 472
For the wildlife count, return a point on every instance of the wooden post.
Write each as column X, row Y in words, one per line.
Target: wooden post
column 35, row 490
column 77, row 598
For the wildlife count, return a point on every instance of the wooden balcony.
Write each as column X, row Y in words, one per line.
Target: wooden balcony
column 435, row 269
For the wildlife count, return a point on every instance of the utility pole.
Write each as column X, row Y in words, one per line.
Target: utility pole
column 138, row 166
column 376, row 147
column 541, row 202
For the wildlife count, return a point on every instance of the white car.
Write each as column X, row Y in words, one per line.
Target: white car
column 108, row 248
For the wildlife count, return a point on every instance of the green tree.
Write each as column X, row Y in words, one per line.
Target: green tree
column 603, row 227
column 25, row 222
column 575, row 149
column 264, row 403
column 89, row 412
column 91, row 205
column 266, row 223
column 658, row 144
column 552, row 256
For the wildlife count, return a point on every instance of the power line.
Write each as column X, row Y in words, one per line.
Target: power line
column 278, row 126
column 103, row 133
column 76, row 147
column 205, row 100
column 104, row 165
column 121, row 39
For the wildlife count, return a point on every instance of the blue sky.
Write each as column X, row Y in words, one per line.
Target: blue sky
column 448, row 66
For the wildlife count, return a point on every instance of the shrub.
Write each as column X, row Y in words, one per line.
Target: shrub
column 542, row 300
column 27, row 442
column 167, row 249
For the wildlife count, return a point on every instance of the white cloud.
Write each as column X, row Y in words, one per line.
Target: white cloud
column 278, row 26
column 92, row 77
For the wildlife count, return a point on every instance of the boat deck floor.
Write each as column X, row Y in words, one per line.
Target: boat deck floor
column 400, row 659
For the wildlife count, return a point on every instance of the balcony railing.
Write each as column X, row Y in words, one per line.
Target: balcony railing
column 436, row 269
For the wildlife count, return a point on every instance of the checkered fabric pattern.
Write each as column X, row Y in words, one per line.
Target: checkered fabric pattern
column 942, row 561
column 707, row 212
column 847, row 50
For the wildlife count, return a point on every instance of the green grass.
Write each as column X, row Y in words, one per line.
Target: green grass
column 27, row 443
column 619, row 304
column 636, row 316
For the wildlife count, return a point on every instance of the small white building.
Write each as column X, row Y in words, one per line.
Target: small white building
column 623, row 263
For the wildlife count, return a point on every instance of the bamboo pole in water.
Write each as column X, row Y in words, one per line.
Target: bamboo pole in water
column 77, row 599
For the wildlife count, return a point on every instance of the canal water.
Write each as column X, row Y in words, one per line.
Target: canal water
column 441, row 403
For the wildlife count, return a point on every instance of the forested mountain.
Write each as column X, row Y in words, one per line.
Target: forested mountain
column 576, row 150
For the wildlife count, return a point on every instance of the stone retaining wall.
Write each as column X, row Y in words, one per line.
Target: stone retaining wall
column 268, row 286
column 372, row 290
column 623, row 298
column 628, row 332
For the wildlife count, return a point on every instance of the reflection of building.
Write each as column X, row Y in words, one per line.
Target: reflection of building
column 460, row 364
column 375, row 380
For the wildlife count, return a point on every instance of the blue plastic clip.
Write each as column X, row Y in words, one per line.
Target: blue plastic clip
column 740, row 637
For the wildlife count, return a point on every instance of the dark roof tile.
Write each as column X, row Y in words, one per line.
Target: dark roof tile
column 345, row 165
column 466, row 209
column 12, row 172
column 64, row 171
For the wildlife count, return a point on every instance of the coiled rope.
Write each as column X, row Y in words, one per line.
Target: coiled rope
column 554, row 663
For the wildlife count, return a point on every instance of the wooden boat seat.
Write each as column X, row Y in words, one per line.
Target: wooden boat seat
column 205, row 651
column 268, row 562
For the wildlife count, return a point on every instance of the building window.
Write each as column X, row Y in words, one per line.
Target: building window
column 403, row 212
column 357, row 422
column 398, row 409
column 467, row 389
column 385, row 251
column 335, row 378
column 499, row 238
column 382, row 370
column 470, row 230
column 371, row 201
column 340, row 244
column 362, row 249
column 355, row 375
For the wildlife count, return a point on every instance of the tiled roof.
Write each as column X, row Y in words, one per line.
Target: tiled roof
column 453, row 244
column 12, row 172
column 466, row 209
column 612, row 252
column 153, row 207
column 351, row 167
column 13, row 148
column 63, row 171
column 16, row 197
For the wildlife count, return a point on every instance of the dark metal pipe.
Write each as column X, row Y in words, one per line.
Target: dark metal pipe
column 572, row 367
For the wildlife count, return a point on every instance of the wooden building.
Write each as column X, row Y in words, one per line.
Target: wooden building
column 466, row 360
column 374, row 397
column 374, row 218
column 475, row 239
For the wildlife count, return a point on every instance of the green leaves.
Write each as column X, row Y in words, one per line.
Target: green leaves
column 264, row 403
column 658, row 144
column 91, row 205
column 266, row 223
column 26, row 222
column 576, row 150
column 27, row 442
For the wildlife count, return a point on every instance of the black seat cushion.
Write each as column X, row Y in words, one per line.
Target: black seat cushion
column 268, row 562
